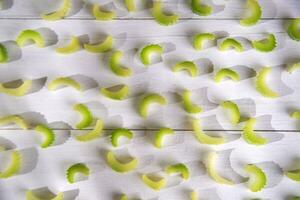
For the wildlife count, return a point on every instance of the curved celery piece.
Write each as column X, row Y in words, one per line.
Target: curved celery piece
column 193, row 195
column 3, row 54
column 102, row 15
column 120, row 94
column 160, row 17
column 296, row 114
column 200, row 38
column 18, row 91
column 160, row 135
column 261, row 85
column 64, row 81
column 147, row 51
column 188, row 105
column 61, row 13
column 148, row 100
column 116, row 67
column 202, row 137
column 293, row 29
column 293, row 175
column 72, row 47
column 154, row 184
column 189, row 66
column 179, row 168
column 211, row 163
column 226, row 73
column 93, row 134
column 47, row 133
column 30, row 35
column 31, row 196
column 116, row 134
column 14, row 166
column 229, row 43
column 265, row 45
column 291, row 68
column 258, row 178
column 295, row 198
column 101, row 47
column 234, row 110
column 87, row 116
column 119, row 166
column 75, row 169
column 130, row 5
column 15, row 119
column 254, row 17
column 249, row 134
column 200, row 9
column 123, row 197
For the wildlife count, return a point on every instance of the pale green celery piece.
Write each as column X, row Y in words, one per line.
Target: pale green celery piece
column 120, row 167
column 189, row 66
column 31, row 196
column 116, row 66
column 261, row 83
column 93, row 134
column 47, row 133
column 293, row 175
column 121, row 93
column 160, row 135
column 62, row 82
column 147, row 52
column 255, row 13
column 257, row 180
column 292, row 67
column 200, row 9
column 148, row 100
column 87, row 116
column 199, row 39
column 265, row 45
column 294, row 29
column 154, row 184
column 3, row 54
column 249, row 134
column 102, row 15
column 190, row 107
column 130, row 5
column 14, row 119
column 226, row 73
column 296, row 114
column 180, row 168
column 101, row 47
column 13, row 167
column 234, row 110
column 19, row 91
column 61, row 13
column 230, row 43
column 193, row 195
column 30, row 35
column 72, row 47
column 120, row 132
column 159, row 15
column 75, row 169
column 123, row 197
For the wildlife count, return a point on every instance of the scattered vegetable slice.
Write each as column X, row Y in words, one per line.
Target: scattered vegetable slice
column 193, row 195
column 160, row 17
column 101, row 47
column 291, row 68
column 226, row 73
column 31, row 196
column 255, row 10
column 102, row 15
column 13, row 167
column 121, row 93
column 148, row 100
column 120, row 132
column 147, row 52
column 188, row 105
column 93, row 134
column 234, row 111
column 75, row 169
column 199, row 39
column 249, row 134
column 257, row 180
column 204, row 138
column 229, row 43
column 123, row 197
column 87, row 116
column 296, row 114
column 18, row 91
column 118, row 166
column 154, row 184
column 200, row 9
column 62, row 82
column 14, row 119
column 265, row 45
column 3, row 54
column 130, row 5
column 261, row 85
column 160, row 135
column 30, row 35
column 72, row 47
column 61, row 13
column 189, row 66
column 293, row 29
column 116, row 67
column 47, row 133
column 293, row 174
column 180, row 168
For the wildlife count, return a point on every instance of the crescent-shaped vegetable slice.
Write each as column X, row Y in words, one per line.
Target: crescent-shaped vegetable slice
column 188, row 105
column 47, row 133
column 148, row 51
column 79, row 168
column 296, row 114
column 101, row 47
column 231, row 43
column 199, row 39
column 87, row 116
column 257, row 180
column 118, row 166
column 121, row 93
column 63, row 82
column 180, row 168
column 292, row 67
column 160, row 135
column 72, row 47
column 148, row 100
column 204, row 138
column 255, row 10
column 123, row 197
column 13, row 167
column 30, row 35
column 293, row 175
column 159, row 15
column 234, row 110
column 93, row 134
column 14, row 119
column 226, row 73
column 212, row 172
column 31, row 196
column 3, row 54
column 200, row 9
column 261, row 85
column 249, row 134
column 120, row 132
column 154, row 184
column 293, row 29
column 102, row 15
column 61, row 13
column 265, row 45
column 18, row 91
column 116, row 67
column 130, row 5
column 193, row 195
column 189, row 66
